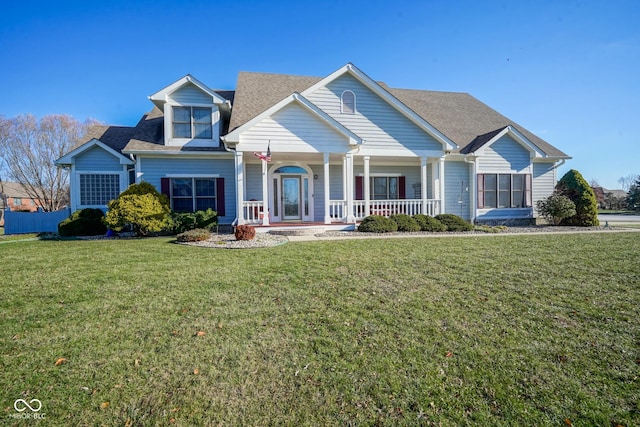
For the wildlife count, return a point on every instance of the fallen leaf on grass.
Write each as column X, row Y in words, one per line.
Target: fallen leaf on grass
column 568, row 422
column 449, row 354
column 60, row 361
column 196, row 371
column 104, row 405
column 201, row 333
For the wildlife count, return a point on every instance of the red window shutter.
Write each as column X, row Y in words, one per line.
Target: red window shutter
column 402, row 187
column 359, row 188
column 220, row 197
column 480, row 191
column 165, row 187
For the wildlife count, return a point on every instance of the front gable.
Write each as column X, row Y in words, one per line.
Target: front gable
column 379, row 116
column 94, row 154
column 504, row 150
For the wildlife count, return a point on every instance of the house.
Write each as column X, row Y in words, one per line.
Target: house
column 14, row 197
column 340, row 147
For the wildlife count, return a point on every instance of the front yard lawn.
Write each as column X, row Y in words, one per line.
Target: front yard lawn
column 506, row 330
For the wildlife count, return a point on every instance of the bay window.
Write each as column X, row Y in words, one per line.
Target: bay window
column 504, row 190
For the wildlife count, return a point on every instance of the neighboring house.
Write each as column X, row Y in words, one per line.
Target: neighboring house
column 610, row 199
column 14, row 197
column 341, row 147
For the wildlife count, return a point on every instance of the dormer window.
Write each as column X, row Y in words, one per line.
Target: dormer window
column 348, row 101
column 192, row 123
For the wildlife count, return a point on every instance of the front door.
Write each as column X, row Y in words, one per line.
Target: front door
column 291, row 198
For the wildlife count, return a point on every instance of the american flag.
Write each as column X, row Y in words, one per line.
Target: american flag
column 264, row 157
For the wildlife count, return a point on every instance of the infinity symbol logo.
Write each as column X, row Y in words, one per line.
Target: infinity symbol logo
column 27, row 405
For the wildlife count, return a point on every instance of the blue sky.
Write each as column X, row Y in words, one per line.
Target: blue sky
column 569, row 71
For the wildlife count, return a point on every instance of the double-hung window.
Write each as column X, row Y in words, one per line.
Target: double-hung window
column 504, row 190
column 384, row 188
column 193, row 194
column 192, row 122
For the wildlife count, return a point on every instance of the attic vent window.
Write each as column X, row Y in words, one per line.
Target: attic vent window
column 348, row 102
column 192, row 122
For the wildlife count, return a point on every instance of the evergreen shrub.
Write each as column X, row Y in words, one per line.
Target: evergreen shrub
column 578, row 190
column 194, row 235
column 83, row 222
column 377, row 224
column 140, row 207
column 405, row 222
column 429, row 223
column 454, row 222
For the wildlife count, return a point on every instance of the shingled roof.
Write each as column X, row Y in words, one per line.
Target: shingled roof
column 459, row 116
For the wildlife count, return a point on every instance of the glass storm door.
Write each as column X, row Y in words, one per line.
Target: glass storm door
column 291, row 197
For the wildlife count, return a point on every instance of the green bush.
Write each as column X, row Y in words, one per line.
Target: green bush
column 578, row 190
column 142, row 208
column 556, row 207
column 429, row 223
column 83, row 222
column 405, row 222
column 377, row 224
column 454, row 222
column 184, row 221
column 195, row 235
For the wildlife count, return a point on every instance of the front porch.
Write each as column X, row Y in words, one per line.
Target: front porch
column 336, row 188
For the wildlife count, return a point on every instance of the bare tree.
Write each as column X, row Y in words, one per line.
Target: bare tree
column 29, row 148
column 626, row 181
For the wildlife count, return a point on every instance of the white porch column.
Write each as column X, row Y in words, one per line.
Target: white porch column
column 423, row 183
column 441, row 184
column 349, row 184
column 327, row 190
column 265, row 193
column 239, row 187
column 365, row 186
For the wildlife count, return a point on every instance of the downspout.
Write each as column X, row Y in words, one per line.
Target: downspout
column 472, row 188
column 235, row 165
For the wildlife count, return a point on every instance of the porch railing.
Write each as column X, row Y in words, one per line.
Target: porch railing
column 252, row 211
column 393, row 207
column 338, row 210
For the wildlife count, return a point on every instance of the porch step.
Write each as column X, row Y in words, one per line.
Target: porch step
column 297, row 231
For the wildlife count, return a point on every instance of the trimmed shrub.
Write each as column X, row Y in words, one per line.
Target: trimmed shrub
column 405, row 222
column 184, row 221
column 142, row 208
column 556, row 207
column 429, row 223
column 195, row 235
column 83, row 222
column 454, row 222
column 377, row 224
column 578, row 190
column 245, row 232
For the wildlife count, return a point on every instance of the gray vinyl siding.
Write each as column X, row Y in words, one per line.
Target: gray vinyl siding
column 155, row 168
column 544, row 181
column 293, row 128
column 318, row 192
column 253, row 182
column 190, row 94
column 97, row 159
column 377, row 122
column 505, row 155
column 457, row 187
column 336, row 186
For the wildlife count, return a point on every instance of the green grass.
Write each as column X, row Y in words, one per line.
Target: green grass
column 491, row 330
